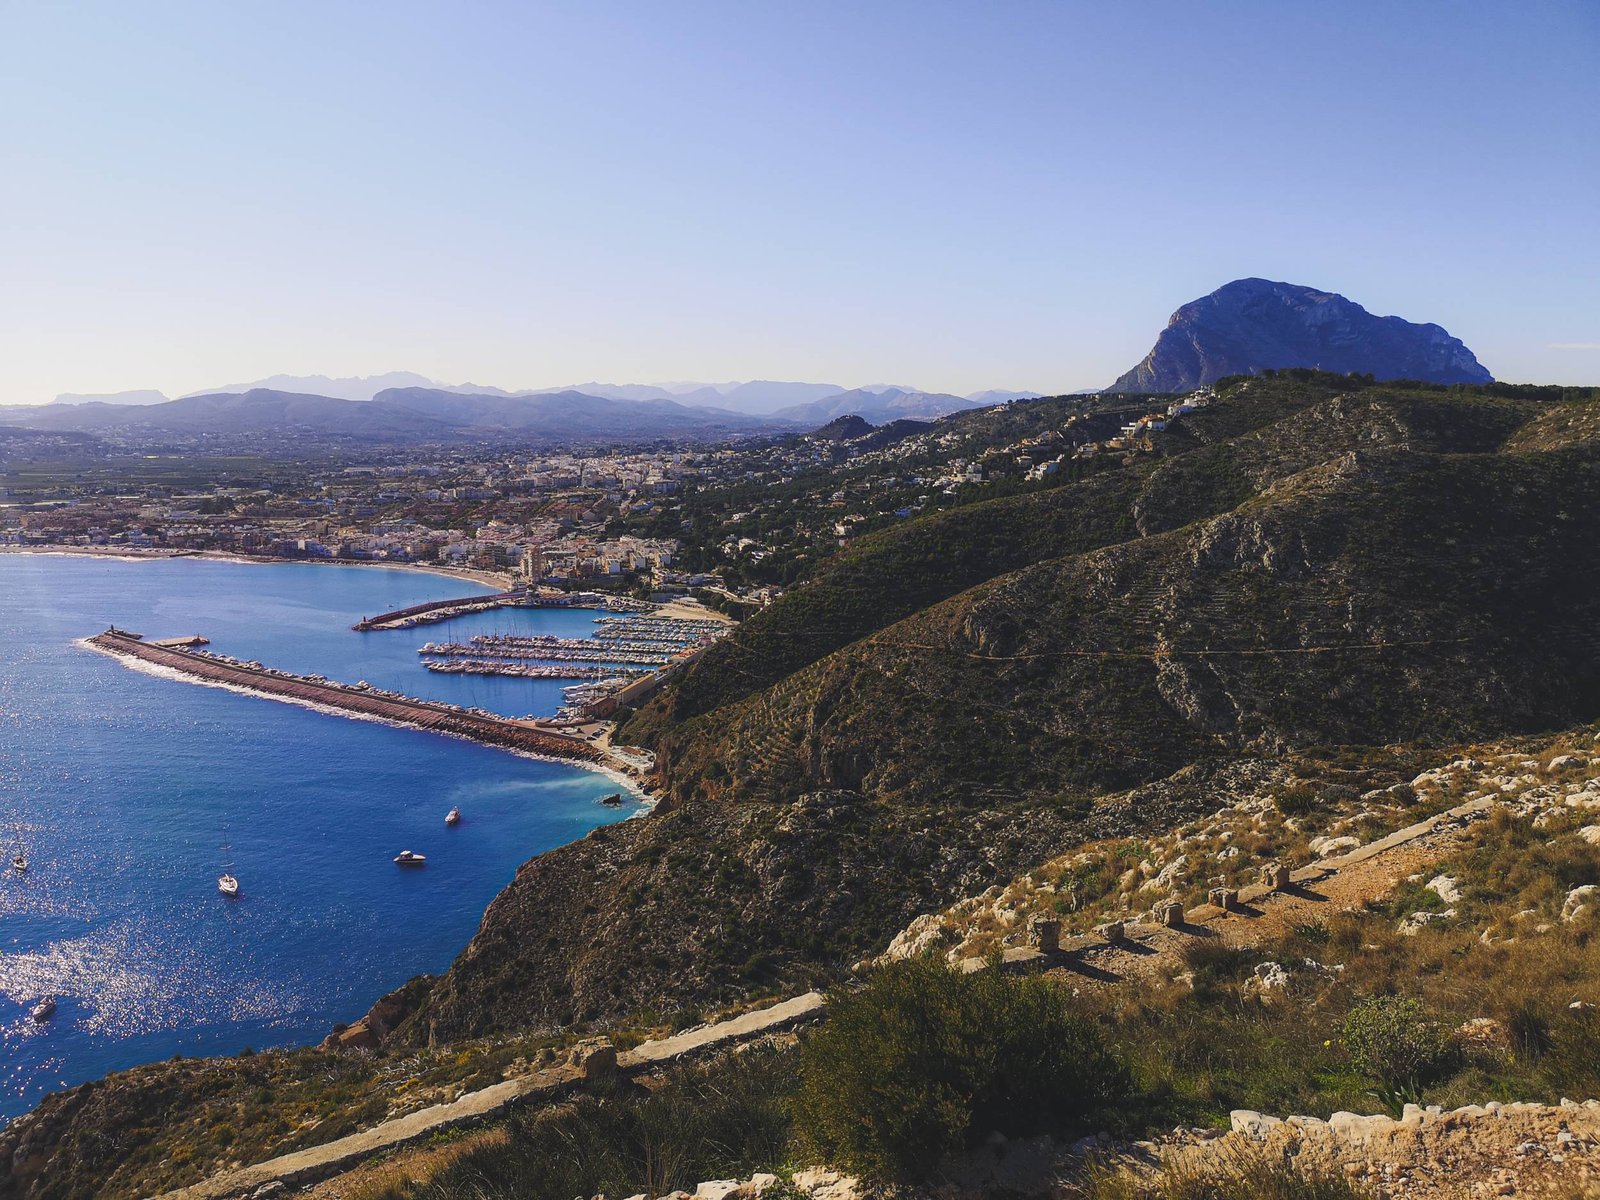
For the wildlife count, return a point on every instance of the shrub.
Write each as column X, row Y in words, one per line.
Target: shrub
column 1571, row 1063
column 1297, row 800
column 1217, row 968
column 722, row 1120
column 925, row 1060
column 1392, row 1040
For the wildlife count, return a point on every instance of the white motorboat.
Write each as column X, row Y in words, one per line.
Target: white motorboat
column 408, row 858
column 19, row 863
column 227, row 885
column 453, row 817
column 44, row 1010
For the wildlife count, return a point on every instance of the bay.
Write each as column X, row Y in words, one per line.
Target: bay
column 131, row 792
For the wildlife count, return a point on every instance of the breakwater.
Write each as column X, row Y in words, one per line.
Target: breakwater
column 439, row 610
column 477, row 725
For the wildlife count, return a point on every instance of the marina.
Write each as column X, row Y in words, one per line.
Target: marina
column 627, row 655
column 518, row 670
column 546, row 649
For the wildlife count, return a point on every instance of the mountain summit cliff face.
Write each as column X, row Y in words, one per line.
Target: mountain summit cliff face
column 1252, row 325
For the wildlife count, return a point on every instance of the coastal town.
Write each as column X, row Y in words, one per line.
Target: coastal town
column 733, row 522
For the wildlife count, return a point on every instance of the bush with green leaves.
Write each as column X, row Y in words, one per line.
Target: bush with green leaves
column 1393, row 1040
column 925, row 1061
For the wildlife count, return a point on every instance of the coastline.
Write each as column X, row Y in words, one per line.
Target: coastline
column 630, row 782
column 499, row 580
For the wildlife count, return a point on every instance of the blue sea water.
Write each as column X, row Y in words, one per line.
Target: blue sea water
column 131, row 792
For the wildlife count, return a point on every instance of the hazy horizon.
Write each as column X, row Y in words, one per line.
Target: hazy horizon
column 1009, row 197
column 677, row 387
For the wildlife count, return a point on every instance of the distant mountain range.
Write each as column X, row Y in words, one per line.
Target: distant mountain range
column 350, row 387
column 407, row 415
column 756, row 397
column 1252, row 325
column 404, row 408
column 147, row 396
column 890, row 404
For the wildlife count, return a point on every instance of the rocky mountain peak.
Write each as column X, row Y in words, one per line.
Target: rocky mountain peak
column 1253, row 325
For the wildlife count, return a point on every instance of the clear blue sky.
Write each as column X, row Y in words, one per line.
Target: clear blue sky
column 950, row 195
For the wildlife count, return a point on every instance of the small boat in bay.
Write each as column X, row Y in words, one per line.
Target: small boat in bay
column 408, row 858
column 228, row 885
column 19, row 860
column 44, row 1010
column 453, row 817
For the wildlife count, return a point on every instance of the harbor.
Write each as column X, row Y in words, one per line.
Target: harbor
column 142, row 791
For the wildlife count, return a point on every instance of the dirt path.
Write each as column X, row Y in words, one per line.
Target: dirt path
column 344, row 1154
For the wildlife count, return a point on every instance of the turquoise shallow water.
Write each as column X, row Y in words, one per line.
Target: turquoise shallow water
column 131, row 792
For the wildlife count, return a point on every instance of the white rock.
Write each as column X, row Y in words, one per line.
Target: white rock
column 1590, row 834
column 1251, row 1123
column 1445, row 887
column 1417, row 920
column 927, row 932
column 1577, row 901
column 1270, row 977
column 1172, row 872
column 813, row 1178
column 1357, row 1129
column 717, row 1189
column 1327, row 847
column 1565, row 762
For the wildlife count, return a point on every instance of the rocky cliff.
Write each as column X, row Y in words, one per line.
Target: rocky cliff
column 1253, row 325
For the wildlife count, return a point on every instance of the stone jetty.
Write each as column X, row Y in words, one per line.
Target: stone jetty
column 475, row 724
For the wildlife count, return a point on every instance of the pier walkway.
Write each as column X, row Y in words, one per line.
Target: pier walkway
column 403, row 710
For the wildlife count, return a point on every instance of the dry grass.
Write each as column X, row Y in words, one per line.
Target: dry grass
column 1231, row 1177
column 399, row 1177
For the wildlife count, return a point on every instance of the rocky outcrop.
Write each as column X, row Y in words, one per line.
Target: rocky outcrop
column 1253, row 325
column 1491, row 1149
